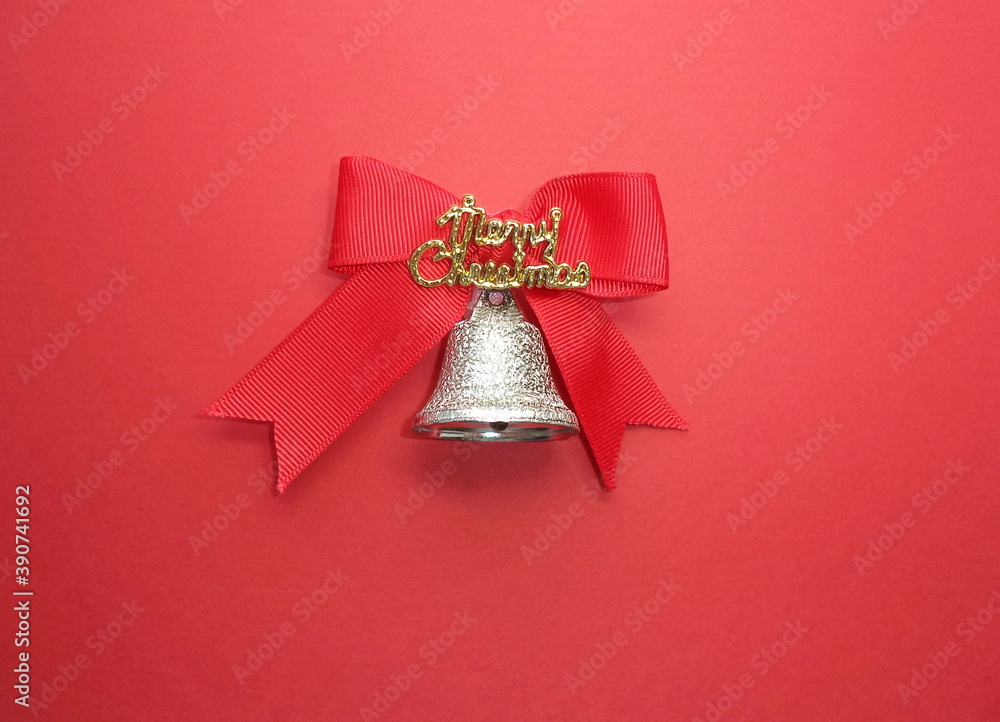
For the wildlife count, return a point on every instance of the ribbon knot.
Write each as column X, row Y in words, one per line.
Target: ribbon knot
column 380, row 322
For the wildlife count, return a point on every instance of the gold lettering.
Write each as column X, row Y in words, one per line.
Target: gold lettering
column 469, row 224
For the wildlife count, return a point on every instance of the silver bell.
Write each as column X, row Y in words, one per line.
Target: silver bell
column 495, row 383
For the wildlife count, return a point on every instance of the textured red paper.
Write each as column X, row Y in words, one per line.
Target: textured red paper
column 828, row 177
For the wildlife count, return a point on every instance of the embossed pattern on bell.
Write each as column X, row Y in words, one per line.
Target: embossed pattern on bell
column 495, row 382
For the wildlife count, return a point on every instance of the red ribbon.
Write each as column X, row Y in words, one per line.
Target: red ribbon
column 380, row 321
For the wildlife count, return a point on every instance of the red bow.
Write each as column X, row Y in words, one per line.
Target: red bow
column 380, row 322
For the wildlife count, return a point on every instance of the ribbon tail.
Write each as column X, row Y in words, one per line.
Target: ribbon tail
column 340, row 360
column 607, row 383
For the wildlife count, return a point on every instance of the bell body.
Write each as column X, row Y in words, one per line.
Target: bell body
column 495, row 383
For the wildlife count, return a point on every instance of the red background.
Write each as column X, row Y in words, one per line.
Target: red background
column 557, row 78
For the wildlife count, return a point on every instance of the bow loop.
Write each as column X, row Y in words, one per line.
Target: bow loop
column 382, row 214
column 615, row 222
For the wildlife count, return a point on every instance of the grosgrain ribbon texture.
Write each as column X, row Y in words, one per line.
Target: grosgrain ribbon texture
column 321, row 377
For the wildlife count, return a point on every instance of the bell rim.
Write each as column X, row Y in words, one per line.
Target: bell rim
column 489, row 414
column 512, row 431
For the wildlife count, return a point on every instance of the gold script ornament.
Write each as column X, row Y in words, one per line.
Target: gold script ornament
column 469, row 224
